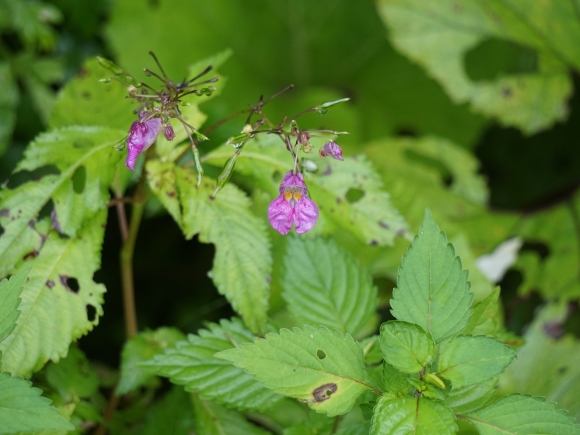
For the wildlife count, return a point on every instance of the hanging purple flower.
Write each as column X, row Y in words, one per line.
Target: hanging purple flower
column 141, row 136
column 293, row 206
column 331, row 149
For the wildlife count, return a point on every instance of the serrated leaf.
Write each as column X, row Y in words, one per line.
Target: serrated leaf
column 73, row 377
column 10, row 290
column 371, row 218
column 242, row 263
column 324, row 285
column 486, row 318
column 22, row 408
column 467, row 360
column 139, row 348
column 406, row 346
column 411, row 415
column 63, row 263
column 522, row 415
column 438, row 37
column 68, row 149
column 192, row 364
column 432, row 291
column 471, row 398
column 322, row 368
column 212, row 419
column 396, row 382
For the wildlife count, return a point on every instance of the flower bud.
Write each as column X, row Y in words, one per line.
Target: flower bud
column 331, row 149
column 303, row 137
column 168, row 132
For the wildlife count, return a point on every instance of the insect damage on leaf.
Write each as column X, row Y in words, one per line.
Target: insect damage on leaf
column 324, row 392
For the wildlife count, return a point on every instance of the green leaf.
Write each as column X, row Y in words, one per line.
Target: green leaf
column 10, row 290
column 60, row 281
column 395, row 381
column 438, row 36
column 192, row 363
column 87, row 162
column 142, row 347
column 212, row 419
column 472, row 397
column 242, row 263
column 372, row 350
column 22, row 408
column 406, row 346
column 322, row 368
column 411, row 415
column 432, row 291
column 324, row 285
column 173, row 414
column 73, row 377
column 487, row 316
column 371, row 218
column 8, row 103
column 523, row 415
column 467, row 360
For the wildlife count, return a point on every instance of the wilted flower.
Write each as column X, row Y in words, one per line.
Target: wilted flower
column 168, row 132
column 141, row 136
column 331, row 149
column 293, row 206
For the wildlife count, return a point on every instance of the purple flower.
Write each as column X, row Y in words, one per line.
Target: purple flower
column 331, row 149
column 141, row 136
column 293, row 206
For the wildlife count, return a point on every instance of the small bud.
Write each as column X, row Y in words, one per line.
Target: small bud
column 303, row 137
column 307, row 148
column 247, row 129
column 168, row 132
column 331, row 149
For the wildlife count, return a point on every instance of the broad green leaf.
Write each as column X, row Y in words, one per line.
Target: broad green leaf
column 212, row 419
column 371, row 217
column 438, row 36
column 87, row 163
column 60, row 300
column 467, row 360
column 432, row 291
column 322, row 368
column 472, row 397
column 406, row 346
column 522, row 415
column 324, row 285
column 411, row 415
column 142, row 347
column 395, row 381
column 73, row 377
column 192, row 363
column 23, row 409
column 486, row 318
column 10, row 290
column 173, row 414
column 242, row 263
column 371, row 350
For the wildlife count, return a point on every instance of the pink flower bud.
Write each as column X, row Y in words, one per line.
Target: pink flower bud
column 331, row 149
column 141, row 136
column 168, row 132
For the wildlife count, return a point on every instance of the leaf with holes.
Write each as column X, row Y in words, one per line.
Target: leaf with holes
column 10, row 290
column 322, row 368
column 411, row 415
column 60, row 300
column 192, row 363
column 406, row 346
column 324, row 285
column 86, row 161
column 467, row 360
column 439, row 35
column 349, row 194
column 23, row 409
column 432, row 290
column 522, row 415
column 242, row 264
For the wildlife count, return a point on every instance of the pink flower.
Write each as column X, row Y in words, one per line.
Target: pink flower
column 293, row 206
column 331, row 149
column 141, row 136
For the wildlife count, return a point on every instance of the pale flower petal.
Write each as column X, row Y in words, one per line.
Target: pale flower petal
column 305, row 215
column 280, row 214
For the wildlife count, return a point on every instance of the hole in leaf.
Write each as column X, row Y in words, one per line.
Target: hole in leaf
column 353, row 195
column 324, row 392
column 508, row 59
column 91, row 313
column 539, row 248
column 320, row 354
column 2, row 230
column 21, row 177
column 406, row 131
column 46, row 210
column 70, row 283
column 446, row 175
column 79, row 179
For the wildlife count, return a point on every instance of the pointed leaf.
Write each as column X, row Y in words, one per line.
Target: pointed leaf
column 432, row 291
column 486, row 318
column 406, row 346
column 324, row 285
column 523, row 415
column 212, row 419
column 10, row 290
column 192, row 364
column 322, row 368
column 56, row 299
column 23, row 409
column 472, row 397
column 411, row 415
column 468, row 360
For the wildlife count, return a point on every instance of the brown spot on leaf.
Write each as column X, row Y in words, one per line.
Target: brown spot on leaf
column 384, row 225
column 4, row 212
column 507, row 92
column 50, row 283
column 324, row 392
column 374, row 242
column 171, row 194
